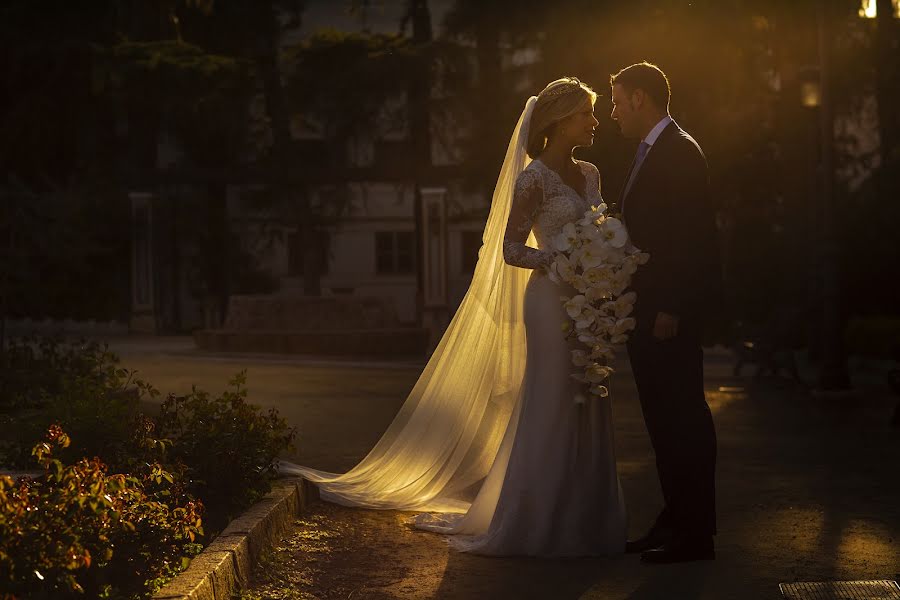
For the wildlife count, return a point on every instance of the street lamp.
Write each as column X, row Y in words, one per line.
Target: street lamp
column 810, row 97
column 834, row 378
column 810, row 93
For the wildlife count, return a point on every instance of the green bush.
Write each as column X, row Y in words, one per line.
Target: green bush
column 35, row 369
column 81, row 387
column 227, row 446
column 219, row 450
column 77, row 531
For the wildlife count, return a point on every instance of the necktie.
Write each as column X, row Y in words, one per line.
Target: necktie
column 638, row 159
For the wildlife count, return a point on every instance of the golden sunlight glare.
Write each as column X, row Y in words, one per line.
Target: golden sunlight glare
column 869, row 9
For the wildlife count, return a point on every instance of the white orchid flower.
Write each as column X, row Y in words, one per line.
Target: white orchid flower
column 588, row 338
column 575, row 306
column 629, row 266
column 620, row 282
column 595, row 294
column 606, row 309
column 624, row 305
column 623, row 326
column 615, row 256
column 597, row 373
column 600, row 390
column 586, row 222
column 575, row 255
column 607, row 323
column 598, row 276
column 567, row 239
column 590, row 218
column 592, row 231
column 601, row 351
column 614, row 232
column 585, row 320
column 580, row 358
column 564, row 268
column 593, row 254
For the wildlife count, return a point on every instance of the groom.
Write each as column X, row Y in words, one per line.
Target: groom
column 665, row 204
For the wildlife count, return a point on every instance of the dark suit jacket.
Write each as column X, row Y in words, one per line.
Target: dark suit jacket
column 668, row 213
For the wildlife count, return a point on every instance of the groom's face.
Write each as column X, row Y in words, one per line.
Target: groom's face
column 624, row 111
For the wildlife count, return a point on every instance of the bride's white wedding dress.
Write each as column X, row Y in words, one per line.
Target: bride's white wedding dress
column 494, row 414
column 559, row 493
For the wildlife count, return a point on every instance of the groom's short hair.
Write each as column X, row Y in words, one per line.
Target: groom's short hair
column 648, row 77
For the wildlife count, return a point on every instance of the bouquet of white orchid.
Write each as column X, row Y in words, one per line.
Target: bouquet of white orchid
column 596, row 257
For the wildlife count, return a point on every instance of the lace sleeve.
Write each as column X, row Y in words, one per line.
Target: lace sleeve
column 525, row 206
column 594, row 175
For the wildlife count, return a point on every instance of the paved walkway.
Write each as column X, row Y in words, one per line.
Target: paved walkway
column 807, row 489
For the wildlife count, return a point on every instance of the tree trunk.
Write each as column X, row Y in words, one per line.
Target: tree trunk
column 420, row 128
column 489, row 121
column 4, row 282
column 286, row 194
column 218, row 259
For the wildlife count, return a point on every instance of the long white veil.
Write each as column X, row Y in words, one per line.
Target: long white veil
column 447, row 434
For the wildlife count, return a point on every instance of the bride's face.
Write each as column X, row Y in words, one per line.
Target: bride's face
column 578, row 128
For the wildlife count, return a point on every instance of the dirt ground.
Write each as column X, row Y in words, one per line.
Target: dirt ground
column 807, row 491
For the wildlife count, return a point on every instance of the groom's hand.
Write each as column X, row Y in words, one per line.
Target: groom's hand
column 665, row 327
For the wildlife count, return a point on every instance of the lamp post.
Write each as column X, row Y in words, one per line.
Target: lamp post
column 834, row 376
column 811, row 100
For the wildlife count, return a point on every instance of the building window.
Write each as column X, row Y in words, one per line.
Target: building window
column 394, row 252
column 471, row 244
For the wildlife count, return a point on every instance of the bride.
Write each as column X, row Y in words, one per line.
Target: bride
column 490, row 446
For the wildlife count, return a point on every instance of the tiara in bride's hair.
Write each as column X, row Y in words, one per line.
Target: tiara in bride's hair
column 564, row 88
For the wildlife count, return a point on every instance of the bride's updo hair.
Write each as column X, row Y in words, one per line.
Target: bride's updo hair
column 560, row 99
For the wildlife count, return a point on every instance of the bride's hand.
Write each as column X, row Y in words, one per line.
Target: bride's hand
column 548, row 261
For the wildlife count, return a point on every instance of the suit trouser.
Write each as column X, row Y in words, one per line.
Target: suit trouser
column 669, row 378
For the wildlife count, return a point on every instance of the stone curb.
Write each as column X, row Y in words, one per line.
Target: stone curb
column 224, row 567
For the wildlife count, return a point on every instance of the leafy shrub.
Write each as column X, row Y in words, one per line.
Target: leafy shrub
column 227, row 446
column 77, row 531
column 35, row 369
column 79, row 386
column 219, row 450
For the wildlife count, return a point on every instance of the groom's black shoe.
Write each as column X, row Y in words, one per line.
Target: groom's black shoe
column 680, row 550
column 655, row 538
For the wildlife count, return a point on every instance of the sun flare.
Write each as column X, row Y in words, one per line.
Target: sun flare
column 869, row 9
